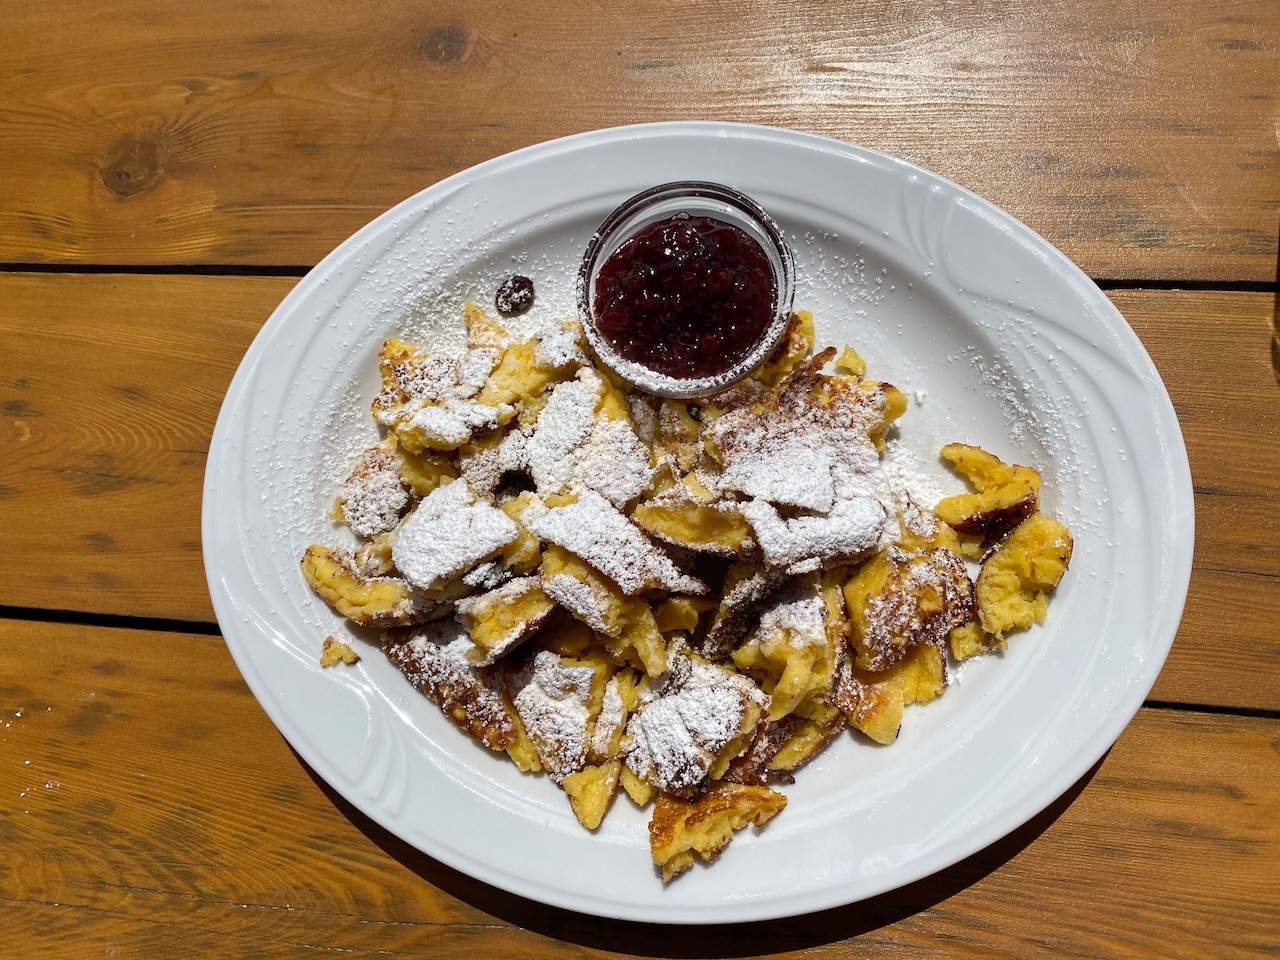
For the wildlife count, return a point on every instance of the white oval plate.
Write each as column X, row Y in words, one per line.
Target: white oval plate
column 997, row 336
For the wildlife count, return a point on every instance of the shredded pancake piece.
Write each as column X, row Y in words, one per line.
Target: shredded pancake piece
column 589, row 600
column 429, row 401
column 688, row 719
column 553, row 700
column 1006, row 494
column 791, row 645
column 746, row 587
column 790, row 448
column 593, row 529
column 561, row 346
column 680, row 830
column 898, row 600
column 373, row 498
column 686, row 515
column 487, row 576
column 797, row 617
column 752, row 766
column 561, row 432
column 434, row 659
column 1013, row 586
column 849, row 531
column 487, row 463
column 611, row 722
column 573, row 447
column 502, row 618
column 335, row 652
column 449, row 533
column 369, row 601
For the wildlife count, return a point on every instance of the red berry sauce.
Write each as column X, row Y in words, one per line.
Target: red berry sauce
column 688, row 297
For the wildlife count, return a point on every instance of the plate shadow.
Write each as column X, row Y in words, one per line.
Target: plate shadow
column 712, row 940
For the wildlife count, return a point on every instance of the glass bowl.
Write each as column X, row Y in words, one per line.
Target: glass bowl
column 695, row 199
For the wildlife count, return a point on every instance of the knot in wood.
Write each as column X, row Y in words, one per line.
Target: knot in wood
column 134, row 163
column 448, row 45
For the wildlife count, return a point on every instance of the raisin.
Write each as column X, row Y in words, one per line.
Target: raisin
column 515, row 296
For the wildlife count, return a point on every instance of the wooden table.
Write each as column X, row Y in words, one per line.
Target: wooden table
column 168, row 171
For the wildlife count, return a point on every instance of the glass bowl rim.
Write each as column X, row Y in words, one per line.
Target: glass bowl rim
column 651, row 381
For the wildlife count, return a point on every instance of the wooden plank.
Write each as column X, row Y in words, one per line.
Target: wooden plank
column 1137, row 137
column 149, row 809
column 1215, row 355
column 1214, row 352
column 110, row 386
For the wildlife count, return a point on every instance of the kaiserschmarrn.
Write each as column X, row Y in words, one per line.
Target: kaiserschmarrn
column 687, row 600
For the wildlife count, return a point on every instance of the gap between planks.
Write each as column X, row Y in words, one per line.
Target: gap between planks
column 112, row 621
column 301, row 270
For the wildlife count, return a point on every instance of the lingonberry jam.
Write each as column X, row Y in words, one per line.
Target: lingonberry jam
column 688, row 296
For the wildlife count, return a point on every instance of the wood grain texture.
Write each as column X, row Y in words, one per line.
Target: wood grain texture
column 1215, row 353
column 109, row 390
column 1139, row 138
column 110, row 387
column 149, row 809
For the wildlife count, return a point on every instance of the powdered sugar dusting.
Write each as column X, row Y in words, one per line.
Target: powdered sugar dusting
column 1034, row 413
column 573, row 448
column 593, row 529
column 790, row 472
column 433, row 395
column 442, row 647
column 900, row 470
column 473, row 371
column 897, row 618
column 898, row 481
column 561, row 345
column 551, row 699
column 485, row 468
column 486, row 576
column 449, row 532
column 644, row 414
column 453, row 423
column 797, row 617
column 434, row 658
column 373, row 497
column 851, row 528
column 584, row 600
column 613, row 713
column 561, row 432
column 687, row 719
column 614, row 462
column 793, row 453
